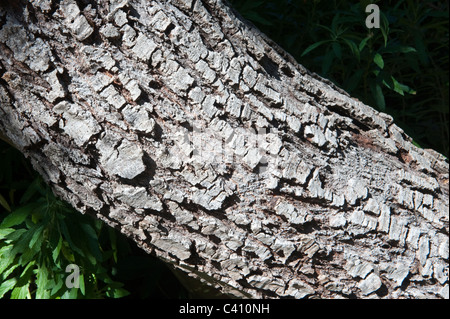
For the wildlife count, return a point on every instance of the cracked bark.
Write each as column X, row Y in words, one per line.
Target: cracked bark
column 184, row 127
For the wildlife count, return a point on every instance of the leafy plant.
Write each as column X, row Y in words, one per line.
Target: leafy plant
column 39, row 239
column 400, row 68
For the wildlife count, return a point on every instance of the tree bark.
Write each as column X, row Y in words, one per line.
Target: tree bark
column 183, row 126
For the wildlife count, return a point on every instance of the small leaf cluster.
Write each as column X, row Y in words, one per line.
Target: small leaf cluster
column 40, row 237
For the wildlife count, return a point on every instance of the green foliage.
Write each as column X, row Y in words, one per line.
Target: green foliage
column 400, row 68
column 40, row 238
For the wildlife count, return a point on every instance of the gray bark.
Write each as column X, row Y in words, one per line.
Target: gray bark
column 186, row 128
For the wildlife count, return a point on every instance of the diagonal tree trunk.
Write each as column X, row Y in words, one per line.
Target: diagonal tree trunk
column 186, row 128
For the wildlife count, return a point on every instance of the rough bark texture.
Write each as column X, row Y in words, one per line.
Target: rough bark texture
column 187, row 129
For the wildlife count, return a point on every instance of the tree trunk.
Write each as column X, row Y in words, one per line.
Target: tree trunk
column 183, row 126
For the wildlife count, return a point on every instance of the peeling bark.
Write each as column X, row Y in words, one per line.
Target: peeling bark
column 187, row 129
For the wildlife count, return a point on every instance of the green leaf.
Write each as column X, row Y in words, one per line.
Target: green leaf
column 57, row 286
column 386, row 79
column 92, row 241
column 89, row 230
column 334, row 23
column 67, row 236
column 4, row 203
column 363, row 43
column 394, row 47
column 21, row 244
column 401, row 88
column 416, row 144
column 353, row 48
column 354, row 80
column 36, row 236
column 16, row 234
column 328, row 29
column 57, row 250
column 26, row 274
column 313, row 46
column 6, row 286
column 10, row 270
column 378, row 59
column 337, row 49
column 67, row 253
column 28, row 256
column 21, row 292
column 42, row 282
column 384, row 28
column 406, row 49
column 113, row 241
column 73, row 293
column 18, row 216
column 7, row 258
column 117, row 293
column 390, row 82
column 82, row 286
column 378, row 96
column 327, row 62
column 4, row 232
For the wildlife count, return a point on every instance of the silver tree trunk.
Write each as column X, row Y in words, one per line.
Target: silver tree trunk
column 186, row 128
